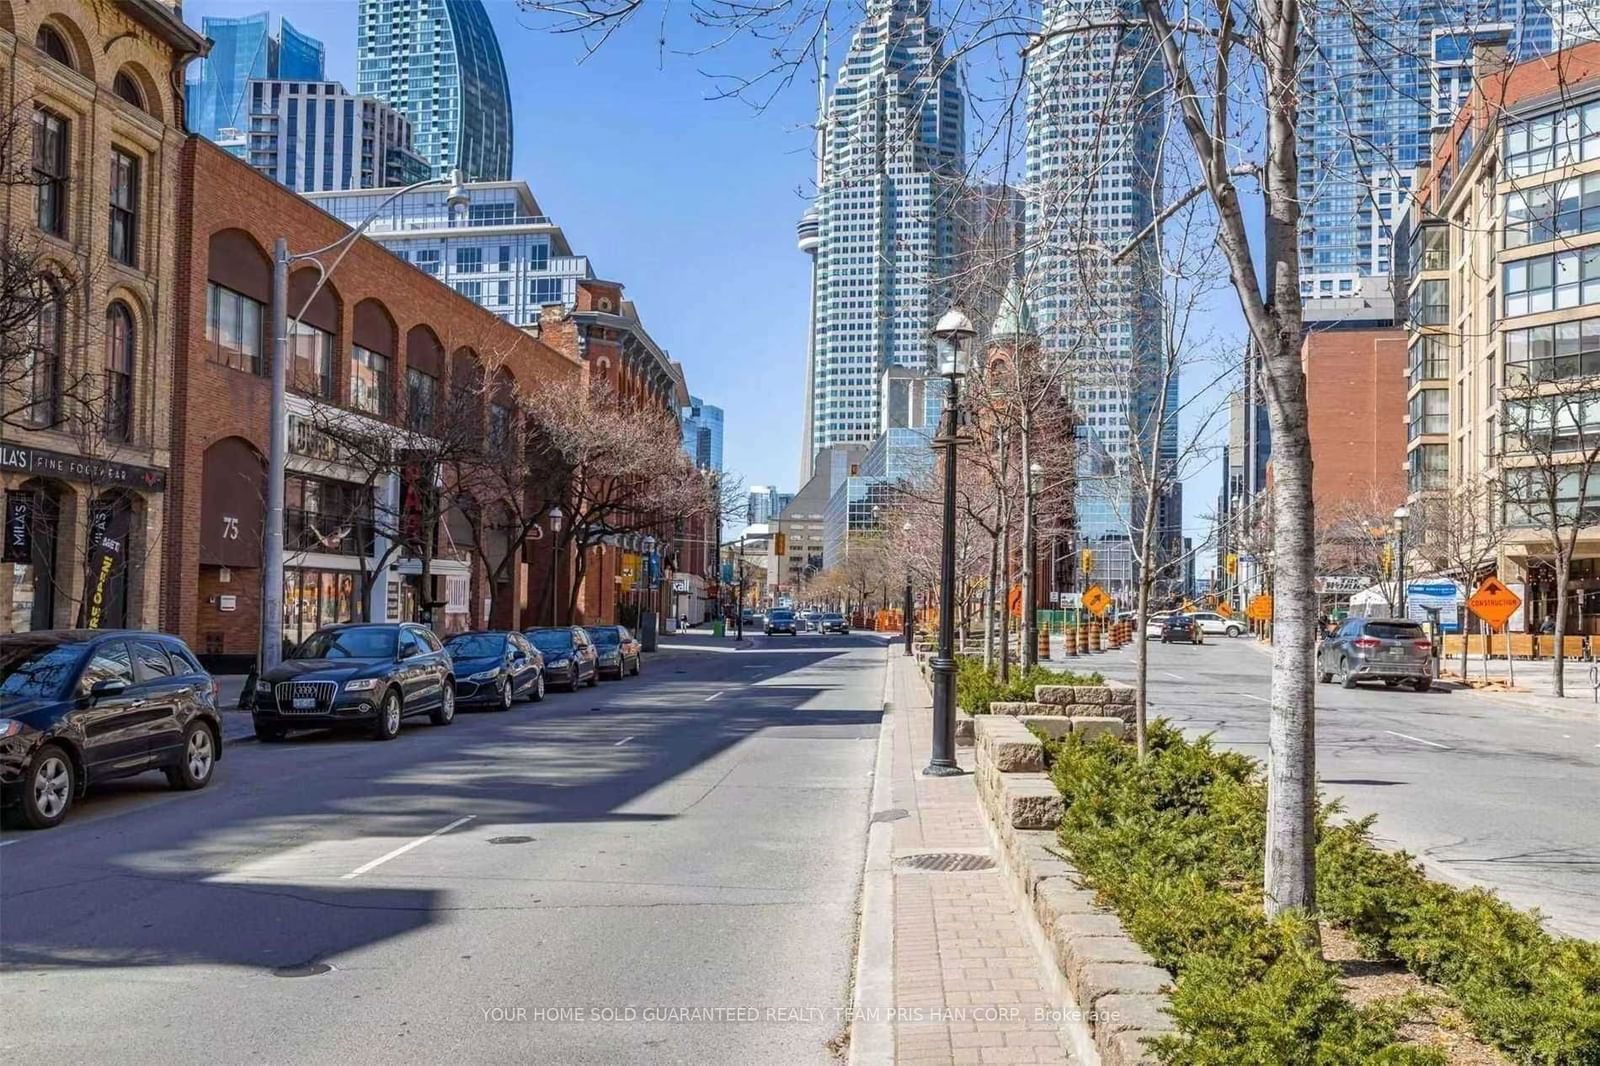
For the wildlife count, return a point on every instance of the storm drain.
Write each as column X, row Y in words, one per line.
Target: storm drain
column 893, row 814
column 304, row 969
column 945, row 862
column 511, row 840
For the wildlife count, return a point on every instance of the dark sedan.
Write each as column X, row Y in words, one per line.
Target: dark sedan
column 833, row 623
column 80, row 706
column 617, row 650
column 781, row 621
column 495, row 669
column 1182, row 627
column 570, row 658
column 365, row 674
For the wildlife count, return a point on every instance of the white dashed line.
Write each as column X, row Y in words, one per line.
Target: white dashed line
column 621, row 742
column 1419, row 740
column 711, row 697
column 1258, row 699
column 403, row 848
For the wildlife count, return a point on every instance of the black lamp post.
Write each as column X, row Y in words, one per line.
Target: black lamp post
column 905, row 618
column 954, row 329
column 1400, row 516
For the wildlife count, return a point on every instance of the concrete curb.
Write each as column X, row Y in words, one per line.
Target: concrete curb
column 872, row 999
column 1107, row 984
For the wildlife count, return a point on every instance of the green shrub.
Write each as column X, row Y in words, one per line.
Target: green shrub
column 1175, row 844
column 977, row 687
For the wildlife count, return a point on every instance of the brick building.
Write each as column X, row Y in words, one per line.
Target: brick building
column 381, row 341
column 1356, row 399
column 603, row 331
column 91, row 127
column 1503, row 290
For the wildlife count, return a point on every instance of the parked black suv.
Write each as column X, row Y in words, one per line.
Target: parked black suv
column 79, row 706
column 370, row 674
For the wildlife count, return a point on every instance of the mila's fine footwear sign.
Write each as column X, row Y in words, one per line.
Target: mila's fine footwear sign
column 42, row 463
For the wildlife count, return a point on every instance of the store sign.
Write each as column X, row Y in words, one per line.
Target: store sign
column 104, row 559
column 19, row 527
column 38, row 462
column 1341, row 584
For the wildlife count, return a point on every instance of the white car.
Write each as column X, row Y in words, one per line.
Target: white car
column 1152, row 625
column 1213, row 623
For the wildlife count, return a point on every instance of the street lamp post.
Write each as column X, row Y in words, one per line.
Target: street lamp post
column 906, row 621
column 270, row 650
column 954, row 329
column 1030, row 556
column 555, row 517
column 1400, row 516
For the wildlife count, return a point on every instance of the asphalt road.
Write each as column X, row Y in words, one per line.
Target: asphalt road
column 1483, row 793
column 688, row 840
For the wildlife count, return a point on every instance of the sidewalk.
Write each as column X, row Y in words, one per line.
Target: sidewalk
column 946, row 971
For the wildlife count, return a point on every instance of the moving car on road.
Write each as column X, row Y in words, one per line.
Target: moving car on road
column 361, row 673
column 1182, row 627
column 617, row 649
column 810, row 620
column 1156, row 622
column 569, row 655
column 81, row 706
column 781, row 621
column 1213, row 623
column 833, row 623
column 495, row 668
column 1390, row 650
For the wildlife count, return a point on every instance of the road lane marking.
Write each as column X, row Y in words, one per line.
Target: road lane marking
column 1175, row 677
column 621, row 742
column 1258, row 699
column 8, row 843
column 711, row 697
column 1419, row 740
column 403, row 848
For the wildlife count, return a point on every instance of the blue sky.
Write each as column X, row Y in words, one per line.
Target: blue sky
column 690, row 202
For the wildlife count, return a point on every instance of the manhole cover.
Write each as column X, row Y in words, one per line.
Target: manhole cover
column 945, row 862
column 511, row 840
column 894, row 814
column 304, row 969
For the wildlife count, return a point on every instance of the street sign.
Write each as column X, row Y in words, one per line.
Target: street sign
column 1494, row 603
column 1096, row 600
column 1260, row 609
column 1224, row 610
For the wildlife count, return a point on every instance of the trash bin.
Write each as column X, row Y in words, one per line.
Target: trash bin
column 718, row 627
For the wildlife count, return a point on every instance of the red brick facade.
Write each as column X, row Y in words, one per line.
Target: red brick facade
column 229, row 218
column 1355, row 390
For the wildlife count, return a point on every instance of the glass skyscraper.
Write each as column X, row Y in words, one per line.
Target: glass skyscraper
column 702, row 434
column 1371, row 96
column 885, row 233
column 438, row 62
column 1092, row 161
column 244, row 48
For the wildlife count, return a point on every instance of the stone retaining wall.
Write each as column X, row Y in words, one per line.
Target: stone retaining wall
column 1116, row 984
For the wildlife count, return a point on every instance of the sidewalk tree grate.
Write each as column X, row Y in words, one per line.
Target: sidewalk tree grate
column 511, row 840
column 893, row 814
column 945, row 862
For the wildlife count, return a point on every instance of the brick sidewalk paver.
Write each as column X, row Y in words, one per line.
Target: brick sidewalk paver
column 968, row 986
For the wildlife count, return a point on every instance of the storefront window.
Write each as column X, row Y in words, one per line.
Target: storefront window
column 313, row 598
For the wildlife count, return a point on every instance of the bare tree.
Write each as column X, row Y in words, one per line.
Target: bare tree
column 1550, row 483
column 1457, row 530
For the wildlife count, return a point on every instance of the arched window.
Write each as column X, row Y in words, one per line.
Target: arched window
column 128, row 89
column 49, row 41
column 120, row 348
column 42, row 373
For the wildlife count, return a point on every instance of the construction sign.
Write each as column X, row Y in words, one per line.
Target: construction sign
column 1260, row 609
column 1014, row 601
column 1096, row 600
column 1494, row 603
column 1224, row 610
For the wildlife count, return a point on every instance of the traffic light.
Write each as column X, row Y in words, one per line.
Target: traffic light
column 1086, row 560
column 780, row 544
column 1232, row 565
column 1386, row 561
